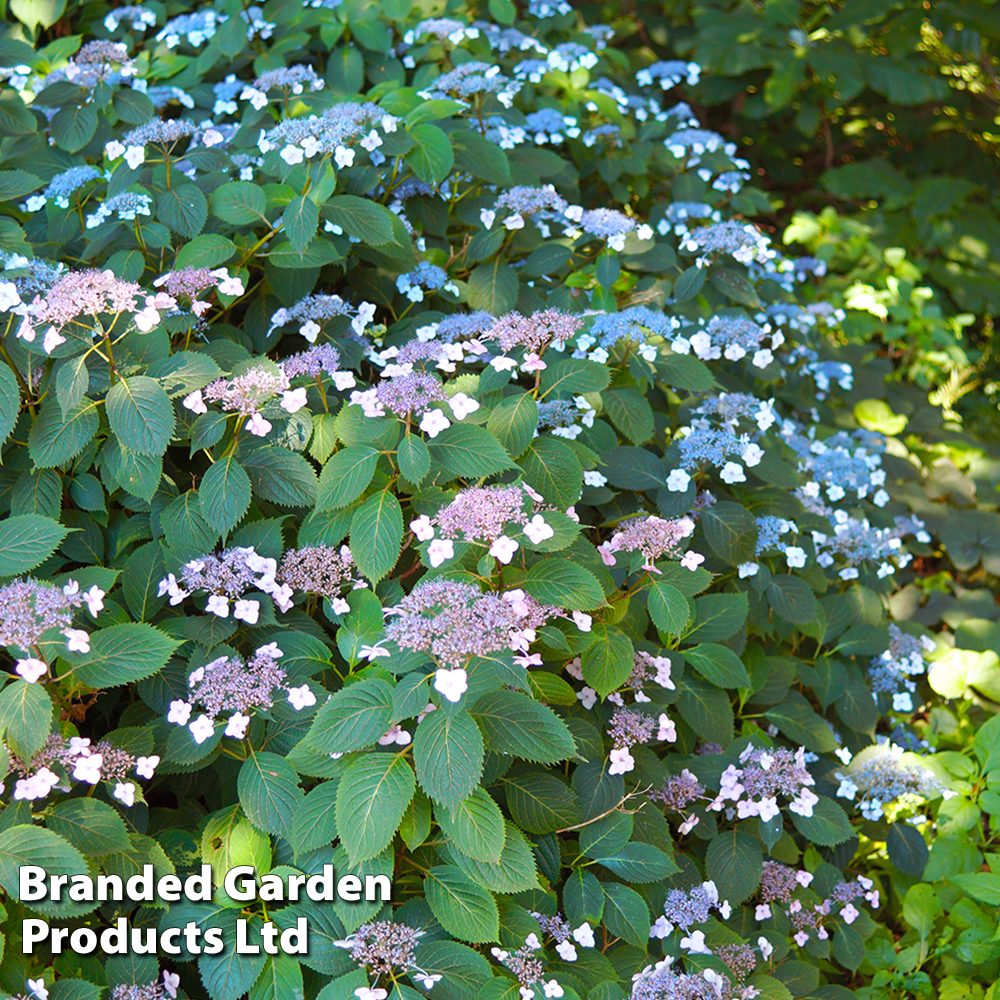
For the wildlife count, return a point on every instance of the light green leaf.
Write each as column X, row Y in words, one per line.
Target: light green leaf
column 470, row 452
column 608, row 663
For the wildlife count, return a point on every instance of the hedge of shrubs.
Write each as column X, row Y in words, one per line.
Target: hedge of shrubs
column 417, row 461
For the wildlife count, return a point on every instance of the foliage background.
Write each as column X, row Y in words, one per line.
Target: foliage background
column 869, row 129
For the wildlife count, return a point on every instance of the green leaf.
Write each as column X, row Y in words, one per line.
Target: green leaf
column 280, row 980
column 281, row 476
column 476, row 155
column 718, row 664
column 448, row 756
column 540, row 802
column 731, row 531
column 414, row 458
column 583, row 898
column 608, row 663
column 55, row 439
column 224, row 494
column 638, row 863
column 25, row 717
column 345, row 477
column 513, row 422
column 569, row 376
column 631, row 468
column 31, row 845
column 984, row 886
column 792, row 598
column 796, row 719
column 355, row 717
column 92, row 827
column 373, row 795
column 122, row 653
column 718, row 617
column 269, row 792
column 26, row 541
column 315, row 822
column 10, row 402
column 476, row 826
column 734, row 862
column 184, row 526
column 470, row 452
column 432, row 157
column 564, row 584
column 630, row 413
column 493, row 287
column 74, row 126
column 689, row 284
column 207, row 250
column 907, row 849
column 552, row 469
column 228, row 975
column 463, row 908
column 706, row 709
column 183, row 210
column 239, row 202
column 515, row 724
column 626, row 914
column 669, row 609
column 827, row 826
column 377, row 535
column 141, row 414
column 362, row 218
column 516, row 870
column 735, row 286
column 301, row 220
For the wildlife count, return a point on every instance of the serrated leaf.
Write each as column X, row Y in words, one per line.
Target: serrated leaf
column 448, row 756
column 465, row 909
column 93, row 827
column 475, row 825
column 224, row 494
column 345, row 477
column 269, row 792
column 122, row 653
column 26, row 541
column 55, row 439
column 827, row 826
column 141, row 414
column 513, row 422
column 669, row 609
column 514, row 723
column 608, row 663
column 301, row 220
column 414, row 458
column 734, row 862
column 373, row 795
column 355, row 717
column 377, row 535
column 470, row 452
column 562, row 583
column 361, row 218
column 718, row 664
column 25, row 717
column 239, row 202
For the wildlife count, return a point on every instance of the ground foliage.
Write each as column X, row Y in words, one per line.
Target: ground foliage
column 416, row 460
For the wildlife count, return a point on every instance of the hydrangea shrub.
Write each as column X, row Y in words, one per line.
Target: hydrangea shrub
column 417, row 461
